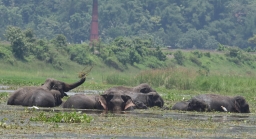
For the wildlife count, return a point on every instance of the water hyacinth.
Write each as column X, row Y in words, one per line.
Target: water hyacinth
column 65, row 117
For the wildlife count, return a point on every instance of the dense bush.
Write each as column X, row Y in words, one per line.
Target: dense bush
column 179, row 57
column 195, row 60
column 80, row 54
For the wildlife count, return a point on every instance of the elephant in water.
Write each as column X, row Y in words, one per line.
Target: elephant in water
column 82, row 101
column 117, row 102
column 118, row 98
column 143, row 95
column 47, row 95
column 214, row 102
column 143, row 101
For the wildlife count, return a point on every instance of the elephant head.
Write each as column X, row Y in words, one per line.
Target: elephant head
column 52, row 84
column 197, row 105
column 143, row 88
column 117, row 102
column 154, row 99
column 241, row 105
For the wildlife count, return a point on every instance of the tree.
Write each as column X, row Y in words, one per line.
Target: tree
column 179, row 57
column 60, row 41
column 18, row 41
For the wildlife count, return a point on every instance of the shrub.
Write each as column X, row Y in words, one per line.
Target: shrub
column 195, row 60
column 80, row 54
column 179, row 57
column 198, row 54
column 153, row 62
column 207, row 54
column 113, row 62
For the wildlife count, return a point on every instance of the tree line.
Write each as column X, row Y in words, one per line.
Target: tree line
column 176, row 23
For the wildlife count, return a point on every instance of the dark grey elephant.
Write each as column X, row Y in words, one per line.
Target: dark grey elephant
column 214, row 102
column 145, row 100
column 82, row 101
column 143, row 96
column 182, row 105
column 47, row 95
column 117, row 102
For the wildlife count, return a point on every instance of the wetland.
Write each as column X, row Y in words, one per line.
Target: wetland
column 151, row 123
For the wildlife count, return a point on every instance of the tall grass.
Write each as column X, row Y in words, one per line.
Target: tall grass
column 188, row 79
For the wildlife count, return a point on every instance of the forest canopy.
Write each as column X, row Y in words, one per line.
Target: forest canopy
column 201, row 24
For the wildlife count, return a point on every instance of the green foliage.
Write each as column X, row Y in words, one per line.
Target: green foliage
column 197, row 54
column 195, row 60
column 40, row 50
column 123, row 57
column 159, row 54
column 252, row 40
column 182, row 24
column 60, row 41
column 234, row 52
column 63, row 117
column 153, row 62
column 6, row 53
column 134, row 57
column 197, row 39
column 118, row 80
column 18, row 41
column 80, row 54
column 221, row 47
column 208, row 54
column 113, row 62
column 179, row 57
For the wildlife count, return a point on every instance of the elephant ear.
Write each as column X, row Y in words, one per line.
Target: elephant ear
column 102, row 102
column 107, row 97
column 128, row 101
column 239, row 101
column 150, row 98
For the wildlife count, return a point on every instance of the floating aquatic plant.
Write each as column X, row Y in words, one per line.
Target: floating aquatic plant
column 63, row 117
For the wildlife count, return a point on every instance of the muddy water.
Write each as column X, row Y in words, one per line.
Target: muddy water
column 127, row 125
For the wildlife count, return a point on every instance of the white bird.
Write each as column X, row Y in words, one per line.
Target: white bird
column 33, row 107
column 225, row 109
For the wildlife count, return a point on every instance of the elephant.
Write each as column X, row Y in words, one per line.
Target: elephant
column 143, row 101
column 82, row 101
column 182, row 105
column 214, row 102
column 48, row 94
column 143, row 95
column 117, row 102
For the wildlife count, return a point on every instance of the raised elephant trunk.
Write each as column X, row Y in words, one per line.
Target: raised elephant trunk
column 68, row 87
